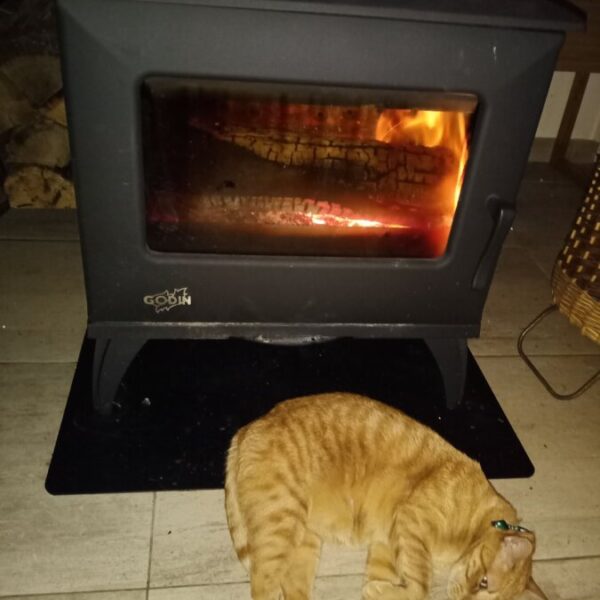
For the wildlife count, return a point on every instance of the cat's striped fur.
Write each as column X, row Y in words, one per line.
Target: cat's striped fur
column 344, row 468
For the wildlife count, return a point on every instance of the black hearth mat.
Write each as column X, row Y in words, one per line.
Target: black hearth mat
column 181, row 402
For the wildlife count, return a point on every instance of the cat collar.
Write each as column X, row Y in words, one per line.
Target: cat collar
column 504, row 526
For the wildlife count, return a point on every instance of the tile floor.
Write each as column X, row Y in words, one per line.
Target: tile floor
column 175, row 545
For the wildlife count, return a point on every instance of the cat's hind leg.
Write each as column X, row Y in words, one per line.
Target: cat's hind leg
column 270, row 554
column 274, row 535
column 235, row 519
column 382, row 581
column 412, row 562
column 300, row 576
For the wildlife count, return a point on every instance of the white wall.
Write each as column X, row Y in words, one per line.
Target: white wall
column 587, row 126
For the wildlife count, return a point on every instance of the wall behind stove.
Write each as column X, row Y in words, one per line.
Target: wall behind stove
column 586, row 133
column 587, row 126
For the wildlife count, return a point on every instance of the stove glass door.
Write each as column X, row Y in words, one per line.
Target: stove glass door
column 272, row 169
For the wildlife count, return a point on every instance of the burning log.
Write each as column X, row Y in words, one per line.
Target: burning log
column 370, row 166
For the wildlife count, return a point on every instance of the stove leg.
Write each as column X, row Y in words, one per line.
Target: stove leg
column 451, row 356
column 112, row 357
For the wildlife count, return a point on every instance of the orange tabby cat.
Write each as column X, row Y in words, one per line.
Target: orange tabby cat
column 344, row 468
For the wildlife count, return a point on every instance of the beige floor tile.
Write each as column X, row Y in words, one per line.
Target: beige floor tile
column 31, row 404
column 519, row 292
column 545, row 210
column 512, row 240
column 344, row 587
column 66, row 544
column 544, row 256
column 42, row 304
column 50, row 224
column 544, row 173
column 116, row 595
column 577, row 579
column 191, row 544
column 58, row 544
column 560, row 508
column 562, row 500
column 573, row 579
column 334, row 587
column 550, row 429
column 341, row 587
column 339, row 560
column 230, row 591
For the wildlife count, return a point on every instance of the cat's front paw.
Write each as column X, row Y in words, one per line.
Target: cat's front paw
column 383, row 590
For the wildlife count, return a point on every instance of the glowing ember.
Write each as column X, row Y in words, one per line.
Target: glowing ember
column 276, row 211
column 335, row 220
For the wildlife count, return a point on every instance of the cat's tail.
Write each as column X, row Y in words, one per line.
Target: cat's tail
column 235, row 520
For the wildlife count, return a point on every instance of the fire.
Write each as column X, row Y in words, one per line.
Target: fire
column 430, row 128
column 352, row 222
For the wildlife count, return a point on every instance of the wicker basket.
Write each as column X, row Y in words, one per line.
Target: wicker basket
column 576, row 282
column 576, row 274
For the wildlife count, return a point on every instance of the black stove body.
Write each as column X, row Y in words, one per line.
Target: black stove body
column 237, row 173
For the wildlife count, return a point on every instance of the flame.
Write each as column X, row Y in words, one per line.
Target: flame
column 430, row 128
column 352, row 222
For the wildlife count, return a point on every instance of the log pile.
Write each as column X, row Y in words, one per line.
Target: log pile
column 34, row 144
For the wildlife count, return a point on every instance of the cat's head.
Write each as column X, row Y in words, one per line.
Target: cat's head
column 497, row 567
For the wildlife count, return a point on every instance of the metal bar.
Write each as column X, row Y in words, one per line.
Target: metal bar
column 580, row 390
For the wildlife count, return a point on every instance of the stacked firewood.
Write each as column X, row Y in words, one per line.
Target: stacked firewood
column 34, row 144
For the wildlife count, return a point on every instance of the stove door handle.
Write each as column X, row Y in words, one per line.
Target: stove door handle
column 503, row 215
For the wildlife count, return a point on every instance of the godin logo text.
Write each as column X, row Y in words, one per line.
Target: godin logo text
column 167, row 300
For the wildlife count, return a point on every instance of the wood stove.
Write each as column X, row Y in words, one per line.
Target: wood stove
column 290, row 171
